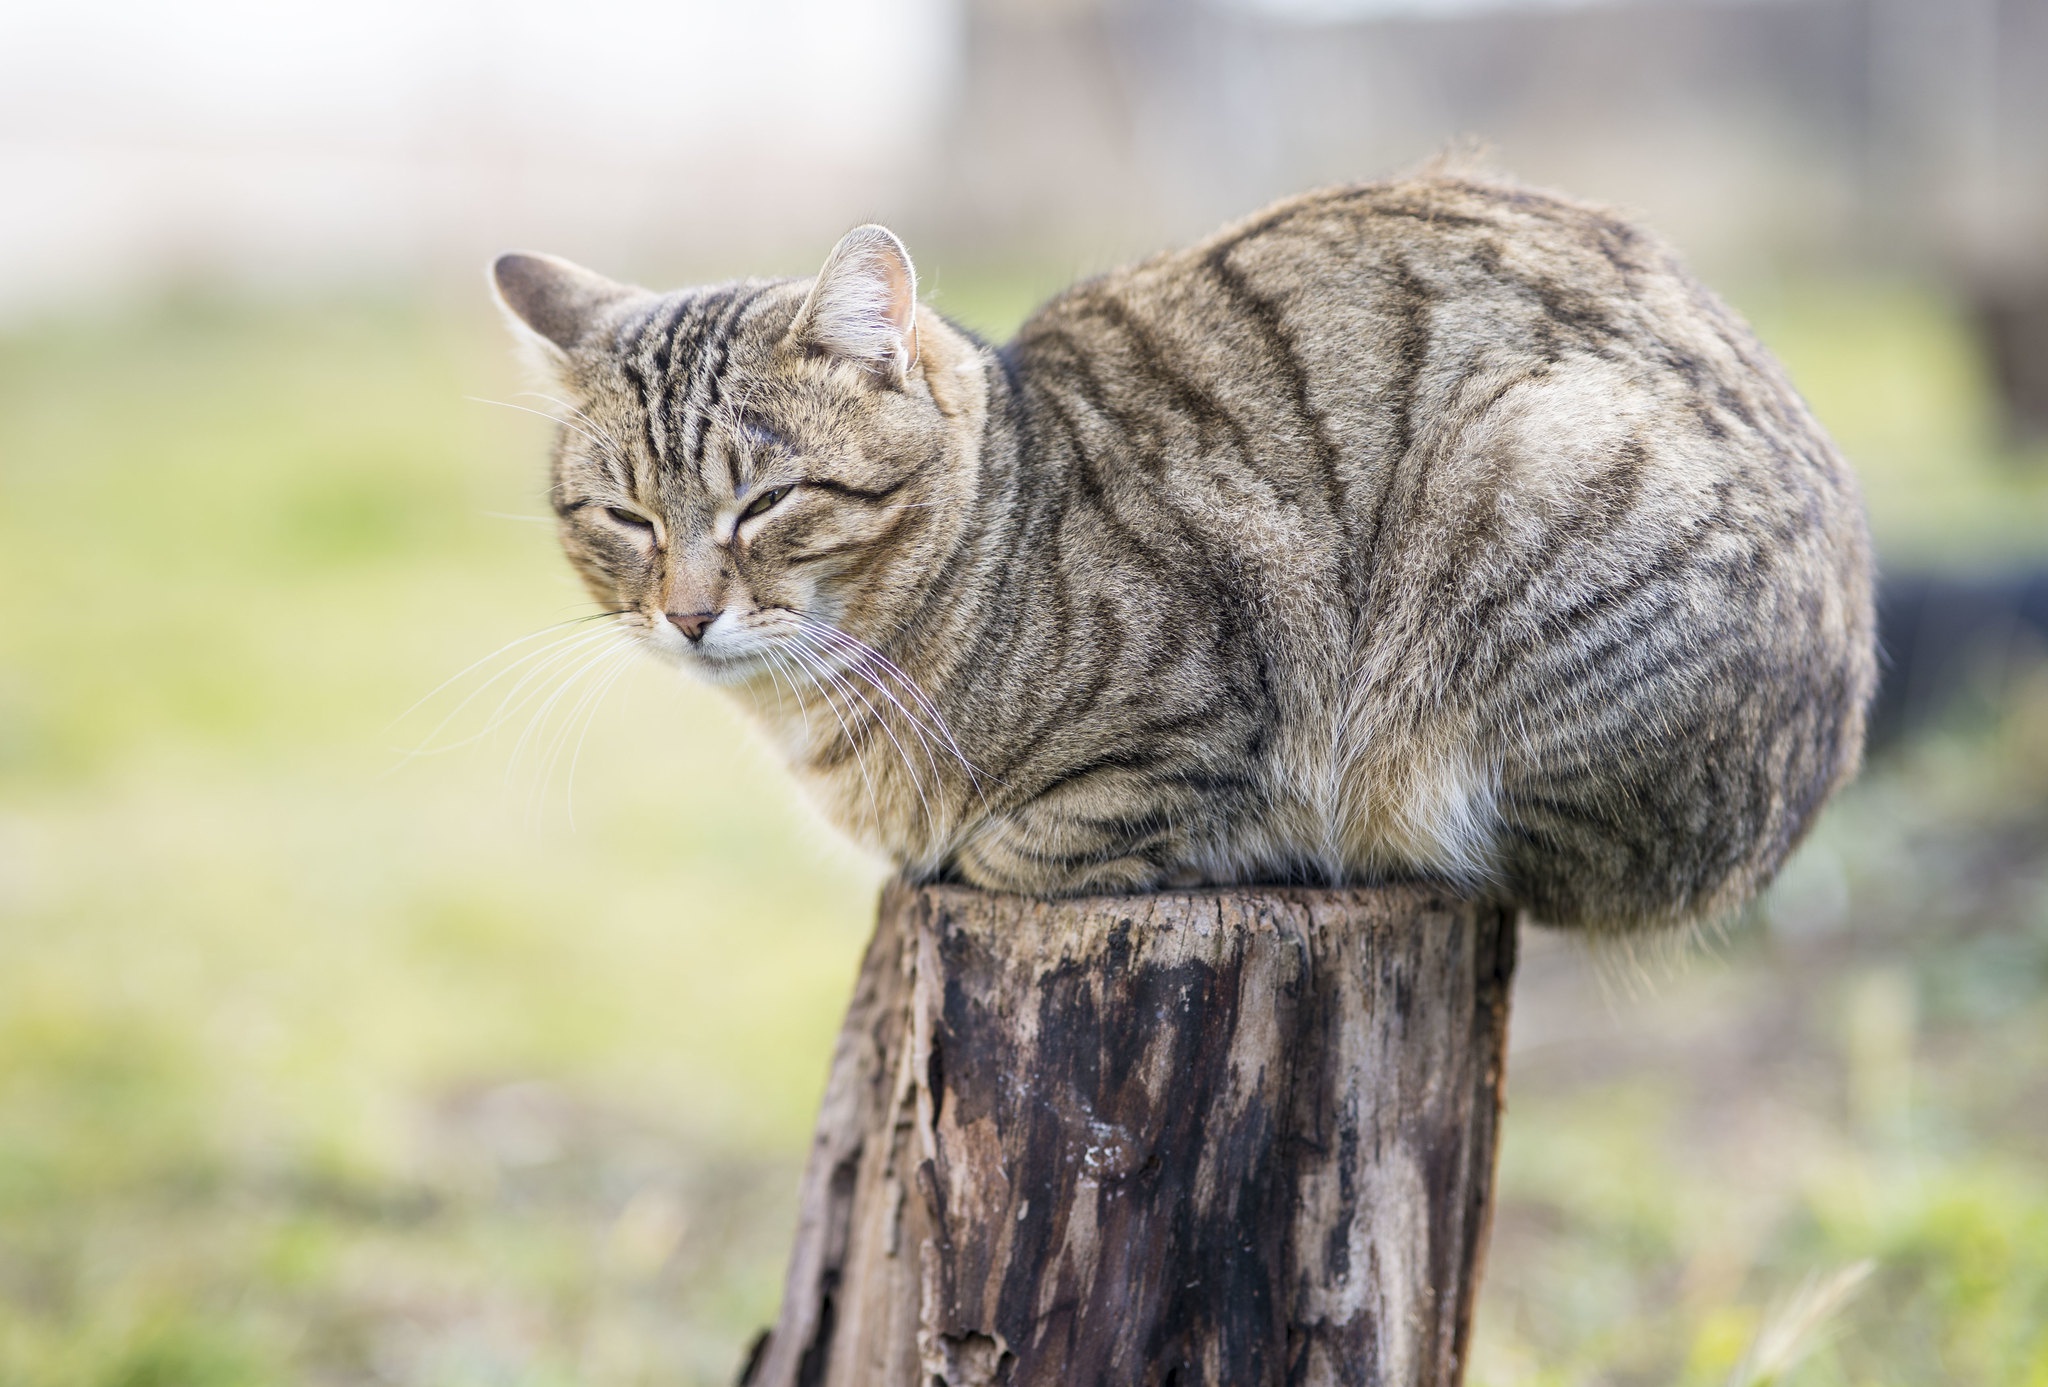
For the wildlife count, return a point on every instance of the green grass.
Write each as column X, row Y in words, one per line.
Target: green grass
column 1860, row 1071
column 322, row 1065
column 316, row 1062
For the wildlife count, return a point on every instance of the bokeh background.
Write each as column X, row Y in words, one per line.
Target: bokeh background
column 377, row 1009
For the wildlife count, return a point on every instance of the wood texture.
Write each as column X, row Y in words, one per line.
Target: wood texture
column 1230, row 1137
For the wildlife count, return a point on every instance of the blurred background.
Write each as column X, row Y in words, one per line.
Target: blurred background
column 377, row 1009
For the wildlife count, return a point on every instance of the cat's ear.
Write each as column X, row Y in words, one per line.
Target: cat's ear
column 551, row 302
column 864, row 305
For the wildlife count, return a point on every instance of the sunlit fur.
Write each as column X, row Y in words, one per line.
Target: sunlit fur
column 1435, row 527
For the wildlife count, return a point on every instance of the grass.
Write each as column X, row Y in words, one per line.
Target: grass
column 1859, row 1073
column 320, row 1065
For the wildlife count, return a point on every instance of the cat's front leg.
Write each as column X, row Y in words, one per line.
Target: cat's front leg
column 1099, row 833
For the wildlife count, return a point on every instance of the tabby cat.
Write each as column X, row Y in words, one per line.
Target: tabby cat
column 1435, row 527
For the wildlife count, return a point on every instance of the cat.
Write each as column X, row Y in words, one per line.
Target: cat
column 1434, row 527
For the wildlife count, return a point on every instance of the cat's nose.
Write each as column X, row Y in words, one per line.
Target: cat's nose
column 692, row 624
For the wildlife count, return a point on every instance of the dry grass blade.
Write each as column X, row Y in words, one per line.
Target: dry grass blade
column 1799, row 1326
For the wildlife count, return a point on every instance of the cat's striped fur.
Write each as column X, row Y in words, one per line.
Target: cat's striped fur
column 1437, row 526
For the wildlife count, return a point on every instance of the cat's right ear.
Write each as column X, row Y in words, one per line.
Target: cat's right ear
column 551, row 303
column 863, row 306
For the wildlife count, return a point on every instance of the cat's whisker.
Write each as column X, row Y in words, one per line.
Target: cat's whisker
column 540, row 707
column 836, row 680
column 869, row 653
column 834, row 687
column 533, row 684
column 539, row 659
column 778, row 669
column 599, row 429
column 476, row 664
column 810, row 669
column 914, row 690
column 863, row 656
column 909, row 766
column 543, row 414
column 859, row 667
column 550, row 755
column 605, row 687
column 779, row 681
column 516, row 698
column 535, row 724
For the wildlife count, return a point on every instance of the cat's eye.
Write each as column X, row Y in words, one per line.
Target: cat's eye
column 765, row 502
column 633, row 523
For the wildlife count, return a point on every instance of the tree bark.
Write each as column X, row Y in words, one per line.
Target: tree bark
column 1226, row 1138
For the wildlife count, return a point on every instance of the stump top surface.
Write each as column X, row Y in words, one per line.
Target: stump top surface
column 1064, row 923
column 1405, row 896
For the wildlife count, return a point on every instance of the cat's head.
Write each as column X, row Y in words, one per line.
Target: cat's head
column 752, row 472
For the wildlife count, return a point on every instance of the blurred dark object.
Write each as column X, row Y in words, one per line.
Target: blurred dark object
column 1945, row 639
column 2012, row 322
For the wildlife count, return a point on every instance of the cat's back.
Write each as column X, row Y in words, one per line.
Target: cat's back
column 1479, row 358
column 1583, row 588
column 1365, row 297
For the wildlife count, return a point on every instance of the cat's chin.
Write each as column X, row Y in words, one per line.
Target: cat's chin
column 723, row 662
column 725, row 671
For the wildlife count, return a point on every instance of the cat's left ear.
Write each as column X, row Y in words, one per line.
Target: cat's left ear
column 552, row 303
column 864, row 304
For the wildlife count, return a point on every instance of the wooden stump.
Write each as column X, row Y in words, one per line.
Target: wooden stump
column 1225, row 1138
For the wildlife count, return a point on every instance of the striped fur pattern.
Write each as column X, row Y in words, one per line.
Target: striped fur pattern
column 1433, row 527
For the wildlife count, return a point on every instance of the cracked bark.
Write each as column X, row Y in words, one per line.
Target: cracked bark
column 1202, row 1139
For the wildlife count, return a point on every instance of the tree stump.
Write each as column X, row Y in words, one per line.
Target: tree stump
column 1229, row 1138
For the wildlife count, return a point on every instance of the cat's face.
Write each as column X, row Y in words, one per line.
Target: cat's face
column 760, row 477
